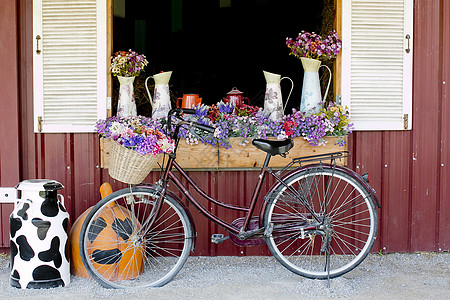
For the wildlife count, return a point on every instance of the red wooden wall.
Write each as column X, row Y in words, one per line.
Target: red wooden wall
column 9, row 109
column 407, row 168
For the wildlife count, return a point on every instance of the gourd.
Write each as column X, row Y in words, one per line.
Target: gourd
column 127, row 264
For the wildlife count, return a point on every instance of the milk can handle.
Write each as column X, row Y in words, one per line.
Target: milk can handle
column 292, row 87
column 61, row 198
column 148, row 92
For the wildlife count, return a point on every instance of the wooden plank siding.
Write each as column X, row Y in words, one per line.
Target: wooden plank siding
column 9, row 111
column 408, row 169
column 443, row 228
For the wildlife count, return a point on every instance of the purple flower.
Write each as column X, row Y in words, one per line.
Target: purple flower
column 312, row 45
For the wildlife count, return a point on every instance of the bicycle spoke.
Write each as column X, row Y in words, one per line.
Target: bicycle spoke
column 145, row 256
column 344, row 208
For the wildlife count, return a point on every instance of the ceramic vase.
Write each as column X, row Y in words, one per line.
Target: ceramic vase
column 311, row 96
column 161, row 97
column 273, row 101
column 126, row 105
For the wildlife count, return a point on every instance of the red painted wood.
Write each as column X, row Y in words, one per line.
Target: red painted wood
column 396, row 192
column 426, row 134
column 444, row 186
column 367, row 157
column 9, row 112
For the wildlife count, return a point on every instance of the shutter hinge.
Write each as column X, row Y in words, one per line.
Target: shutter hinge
column 40, row 124
column 405, row 121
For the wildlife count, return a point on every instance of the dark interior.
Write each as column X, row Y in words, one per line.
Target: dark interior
column 214, row 45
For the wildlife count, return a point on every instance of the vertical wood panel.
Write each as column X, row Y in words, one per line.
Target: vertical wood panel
column 368, row 157
column 425, row 137
column 396, row 191
column 85, row 164
column 9, row 112
column 444, row 206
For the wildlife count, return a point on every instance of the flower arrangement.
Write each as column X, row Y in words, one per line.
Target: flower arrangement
column 313, row 127
column 141, row 134
column 147, row 136
column 127, row 64
column 312, row 45
column 251, row 122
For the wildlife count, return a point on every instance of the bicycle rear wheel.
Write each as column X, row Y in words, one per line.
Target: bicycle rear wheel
column 346, row 211
column 120, row 250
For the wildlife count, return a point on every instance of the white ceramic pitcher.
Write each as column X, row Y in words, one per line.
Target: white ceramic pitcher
column 273, row 102
column 311, row 94
column 161, row 100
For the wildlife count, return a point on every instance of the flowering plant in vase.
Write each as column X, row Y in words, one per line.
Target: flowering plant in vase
column 127, row 64
column 141, row 134
column 314, row 46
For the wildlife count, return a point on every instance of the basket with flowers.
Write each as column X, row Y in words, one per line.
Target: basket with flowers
column 136, row 144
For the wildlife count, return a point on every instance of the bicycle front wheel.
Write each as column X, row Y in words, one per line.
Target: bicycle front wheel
column 120, row 250
column 337, row 240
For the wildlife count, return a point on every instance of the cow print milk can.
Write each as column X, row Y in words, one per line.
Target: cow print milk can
column 38, row 232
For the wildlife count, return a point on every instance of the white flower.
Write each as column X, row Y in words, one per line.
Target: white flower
column 116, row 128
column 217, row 132
column 282, row 135
column 166, row 145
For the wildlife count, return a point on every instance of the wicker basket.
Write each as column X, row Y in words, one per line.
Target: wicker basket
column 129, row 166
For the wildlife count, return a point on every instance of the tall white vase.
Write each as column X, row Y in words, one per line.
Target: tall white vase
column 311, row 96
column 126, row 105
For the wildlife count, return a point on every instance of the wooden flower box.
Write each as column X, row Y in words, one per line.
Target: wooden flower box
column 206, row 157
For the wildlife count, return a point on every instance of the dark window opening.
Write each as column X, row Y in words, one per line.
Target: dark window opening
column 214, row 45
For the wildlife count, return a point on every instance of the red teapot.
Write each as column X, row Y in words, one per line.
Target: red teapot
column 236, row 97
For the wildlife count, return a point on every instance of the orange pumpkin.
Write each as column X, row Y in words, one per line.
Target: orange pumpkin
column 76, row 265
column 128, row 263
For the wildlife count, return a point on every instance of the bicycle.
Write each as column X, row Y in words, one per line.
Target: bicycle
column 319, row 220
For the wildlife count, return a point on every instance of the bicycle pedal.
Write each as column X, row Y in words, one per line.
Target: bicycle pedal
column 218, row 238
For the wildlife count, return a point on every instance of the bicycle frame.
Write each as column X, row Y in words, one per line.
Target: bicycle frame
column 242, row 232
column 248, row 210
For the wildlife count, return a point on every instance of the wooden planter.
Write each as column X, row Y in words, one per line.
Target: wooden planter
column 206, row 157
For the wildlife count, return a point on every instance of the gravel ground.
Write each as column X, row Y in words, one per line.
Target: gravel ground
column 390, row 276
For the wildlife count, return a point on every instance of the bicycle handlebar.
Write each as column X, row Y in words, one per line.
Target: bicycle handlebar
column 177, row 113
column 205, row 127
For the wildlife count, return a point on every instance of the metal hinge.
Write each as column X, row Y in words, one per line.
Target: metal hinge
column 405, row 121
column 40, row 124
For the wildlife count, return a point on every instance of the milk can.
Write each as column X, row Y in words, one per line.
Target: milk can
column 38, row 236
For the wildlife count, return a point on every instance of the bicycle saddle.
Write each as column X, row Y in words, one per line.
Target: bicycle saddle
column 273, row 147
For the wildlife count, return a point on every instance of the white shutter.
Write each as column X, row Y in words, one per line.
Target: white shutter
column 376, row 66
column 70, row 70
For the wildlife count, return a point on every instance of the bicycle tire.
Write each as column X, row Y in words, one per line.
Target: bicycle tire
column 120, row 251
column 343, row 204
